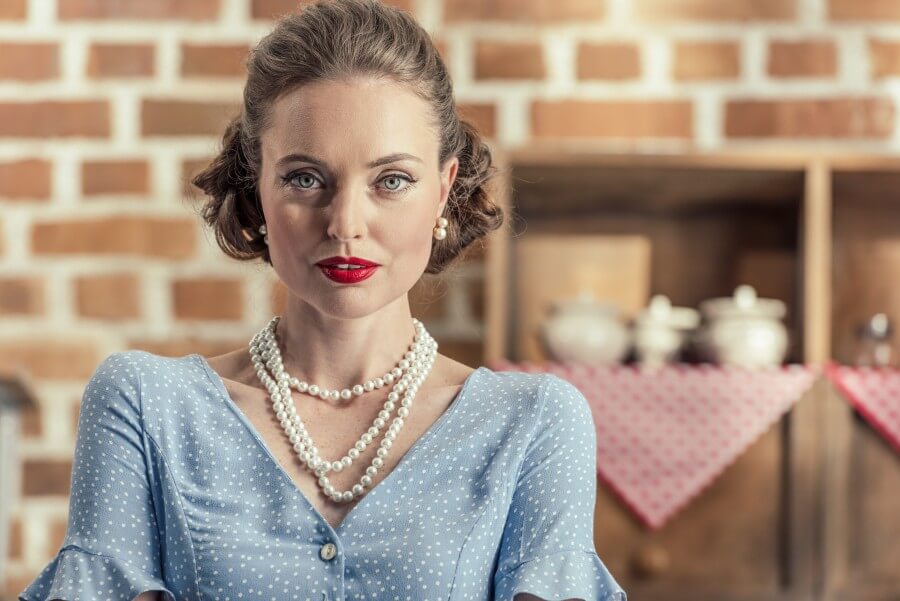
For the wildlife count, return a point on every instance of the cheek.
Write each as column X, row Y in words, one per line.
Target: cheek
column 410, row 239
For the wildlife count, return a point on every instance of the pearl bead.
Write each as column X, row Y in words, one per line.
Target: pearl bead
column 406, row 376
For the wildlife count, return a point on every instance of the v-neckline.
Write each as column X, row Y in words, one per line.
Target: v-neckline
column 432, row 431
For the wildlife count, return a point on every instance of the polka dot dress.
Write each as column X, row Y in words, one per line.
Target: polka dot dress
column 174, row 490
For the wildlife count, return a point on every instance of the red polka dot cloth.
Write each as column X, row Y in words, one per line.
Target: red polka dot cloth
column 875, row 393
column 665, row 435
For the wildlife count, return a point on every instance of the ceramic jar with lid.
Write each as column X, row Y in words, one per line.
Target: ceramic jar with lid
column 660, row 330
column 744, row 330
column 586, row 330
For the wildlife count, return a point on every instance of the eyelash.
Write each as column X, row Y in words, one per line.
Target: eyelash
column 287, row 179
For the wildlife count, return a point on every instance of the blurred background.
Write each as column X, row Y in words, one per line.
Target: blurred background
column 702, row 234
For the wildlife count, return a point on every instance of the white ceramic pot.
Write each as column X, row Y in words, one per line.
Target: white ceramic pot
column 585, row 330
column 744, row 331
column 659, row 331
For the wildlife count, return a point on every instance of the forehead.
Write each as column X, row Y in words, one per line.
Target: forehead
column 354, row 119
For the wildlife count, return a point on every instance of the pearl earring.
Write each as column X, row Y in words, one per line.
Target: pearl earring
column 440, row 231
column 262, row 230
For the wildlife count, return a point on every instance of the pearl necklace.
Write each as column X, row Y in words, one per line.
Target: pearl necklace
column 409, row 374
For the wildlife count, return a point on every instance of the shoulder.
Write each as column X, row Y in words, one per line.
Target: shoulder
column 537, row 389
column 538, row 401
column 123, row 374
column 130, row 366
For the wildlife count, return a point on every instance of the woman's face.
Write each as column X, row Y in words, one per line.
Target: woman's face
column 331, row 183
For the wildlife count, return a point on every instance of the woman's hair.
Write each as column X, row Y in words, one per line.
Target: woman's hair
column 333, row 40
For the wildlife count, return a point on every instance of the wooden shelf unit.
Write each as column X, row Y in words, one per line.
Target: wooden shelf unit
column 809, row 512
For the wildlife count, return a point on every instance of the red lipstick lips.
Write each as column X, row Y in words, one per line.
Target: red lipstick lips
column 347, row 270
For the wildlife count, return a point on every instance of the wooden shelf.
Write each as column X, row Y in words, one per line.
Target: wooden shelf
column 818, row 230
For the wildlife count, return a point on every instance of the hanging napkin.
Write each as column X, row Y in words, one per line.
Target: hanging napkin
column 875, row 393
column 665, row 435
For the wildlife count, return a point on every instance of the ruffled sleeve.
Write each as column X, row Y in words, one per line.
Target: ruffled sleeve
column 547, row 548
column 111, row 549
column 77, row 574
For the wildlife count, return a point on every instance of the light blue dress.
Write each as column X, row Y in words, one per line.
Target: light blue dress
column 174, row 490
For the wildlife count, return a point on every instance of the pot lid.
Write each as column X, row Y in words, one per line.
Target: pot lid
column 744, row 303
column 661, row 312
column 585, row 302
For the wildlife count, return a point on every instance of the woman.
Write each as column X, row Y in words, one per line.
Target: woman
column 254, row 475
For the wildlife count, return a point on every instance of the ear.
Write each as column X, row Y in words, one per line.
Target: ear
column 448, row 176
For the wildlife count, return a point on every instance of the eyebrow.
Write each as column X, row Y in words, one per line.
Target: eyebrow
column 391, row 158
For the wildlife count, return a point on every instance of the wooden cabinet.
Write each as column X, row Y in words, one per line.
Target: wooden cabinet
column 812, row 510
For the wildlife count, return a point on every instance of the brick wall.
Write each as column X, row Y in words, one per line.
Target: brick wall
column 106, row 108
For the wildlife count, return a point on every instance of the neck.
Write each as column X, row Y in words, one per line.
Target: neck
column 338, row 352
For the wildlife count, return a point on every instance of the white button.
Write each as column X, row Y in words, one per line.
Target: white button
column 328, row 551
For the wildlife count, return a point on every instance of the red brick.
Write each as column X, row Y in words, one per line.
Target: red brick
column 612, row 119
column 186, row 117
column 120, row 61
column 115, row 177
column 225, row 60
column 143, row 236
column 508, row 60
column 536, row 11
column 884, row 58
column 13, row 10
column 857, row 117
column 108, row 296
column 195, row 10
column 179, row 347
column 21, row 296
column 57, row 533
column 863, row 10
column 704, row 60
column 29, row 179
column 270, row 9
column 55, row 118
column 43, row 477
column 443, row 48
column 616, row 61
column 715, row 10
column 16, row 584
column 28, row 61
column 31, row 422
column 483, row 116
column 190, row 168
column 805, row 58
column 49, row 358
column 209, row 298
column 15, row 539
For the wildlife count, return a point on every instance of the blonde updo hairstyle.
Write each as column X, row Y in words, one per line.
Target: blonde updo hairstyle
column 333, row 40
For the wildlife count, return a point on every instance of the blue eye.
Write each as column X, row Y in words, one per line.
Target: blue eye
column 296, row 175
column 397, row 176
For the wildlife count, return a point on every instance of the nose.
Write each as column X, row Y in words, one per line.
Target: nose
column 346, row 215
